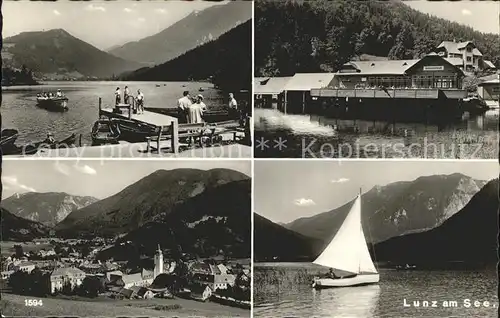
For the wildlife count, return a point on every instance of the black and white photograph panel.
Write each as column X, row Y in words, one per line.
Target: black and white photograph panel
column 122, row 238
column 130, row 79
column 369, row 239
column 376, row 79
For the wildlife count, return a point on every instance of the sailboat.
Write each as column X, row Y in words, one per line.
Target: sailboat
column 348, row 252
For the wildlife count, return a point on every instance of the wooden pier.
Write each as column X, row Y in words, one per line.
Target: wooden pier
column 152, row 119
column 162, row 127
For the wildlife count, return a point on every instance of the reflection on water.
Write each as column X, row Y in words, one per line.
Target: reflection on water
column 19, row 110
column 291, row 295
column 319, row 136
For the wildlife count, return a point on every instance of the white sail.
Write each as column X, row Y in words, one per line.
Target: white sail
column 348, row 250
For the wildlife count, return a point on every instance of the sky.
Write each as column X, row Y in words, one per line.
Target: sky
column 287, row 190
column 101, row 23
column 482, row 16
column 97, row 178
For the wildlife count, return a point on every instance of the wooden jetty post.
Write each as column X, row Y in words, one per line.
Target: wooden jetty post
column 100, row 108
column 175, row 137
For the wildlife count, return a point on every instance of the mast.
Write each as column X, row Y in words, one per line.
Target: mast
column 361, row 225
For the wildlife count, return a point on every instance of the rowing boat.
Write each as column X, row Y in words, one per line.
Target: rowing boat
column 53, row 103
column 33, row 148
column 105, row 132
column 8, row 138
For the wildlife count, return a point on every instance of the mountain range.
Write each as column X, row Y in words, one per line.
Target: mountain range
column 55, row 53
column 47, row 208
column 470, row 235
column 274, row 242
column 15, row 228
column 194, row 30
column 398, row 208
column 149, row 199
column 215, row 222
column 226, row 61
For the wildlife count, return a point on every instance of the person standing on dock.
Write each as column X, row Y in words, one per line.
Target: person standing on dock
column 183, row 105
column 195, row 114
column 199, row 100
column 118, row 96
column 233, row 106
column 140, row 101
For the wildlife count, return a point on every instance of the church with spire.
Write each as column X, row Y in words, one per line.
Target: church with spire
column 145, row 277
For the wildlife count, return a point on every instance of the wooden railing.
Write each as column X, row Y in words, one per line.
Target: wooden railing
column 423, row 93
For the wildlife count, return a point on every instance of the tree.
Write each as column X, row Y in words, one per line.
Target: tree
column 470, row 83
column 19, row 282
column 67, row 288
column 91, row 286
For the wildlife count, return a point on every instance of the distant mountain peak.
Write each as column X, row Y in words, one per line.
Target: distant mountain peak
column 399, row 207
column 48, row 208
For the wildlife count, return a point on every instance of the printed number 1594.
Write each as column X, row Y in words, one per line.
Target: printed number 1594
column 33, row 302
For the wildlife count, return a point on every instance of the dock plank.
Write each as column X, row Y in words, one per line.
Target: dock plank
column 147, row 117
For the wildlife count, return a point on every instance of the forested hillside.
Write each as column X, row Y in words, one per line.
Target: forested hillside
column 314, row 36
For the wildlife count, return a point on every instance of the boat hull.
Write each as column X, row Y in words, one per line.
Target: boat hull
column 105, row 132
column 359, row 280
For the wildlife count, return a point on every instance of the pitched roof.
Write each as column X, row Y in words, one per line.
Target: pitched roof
column 456, row 47
column 493, row 81
column 390, row 67
column 115, row 273
column 272, row 85
column 132, row 278
column 308, row 81
column 489, row 64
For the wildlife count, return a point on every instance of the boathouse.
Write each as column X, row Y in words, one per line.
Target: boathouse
column 394, row 90
column 269, row 91
column 298, row 89
column 431, row 71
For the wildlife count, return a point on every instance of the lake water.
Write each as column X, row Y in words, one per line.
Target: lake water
column 19, row 109
column 311, row 136
column 284, row 290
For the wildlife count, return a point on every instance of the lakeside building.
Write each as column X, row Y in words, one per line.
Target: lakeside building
column 429, row 72
column 469, row 57
column 269, row 91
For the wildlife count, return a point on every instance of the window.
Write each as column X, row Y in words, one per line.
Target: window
column 469, row 49
column 469, row 58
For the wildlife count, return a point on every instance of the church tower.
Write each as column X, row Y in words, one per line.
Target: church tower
column 158, row 262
